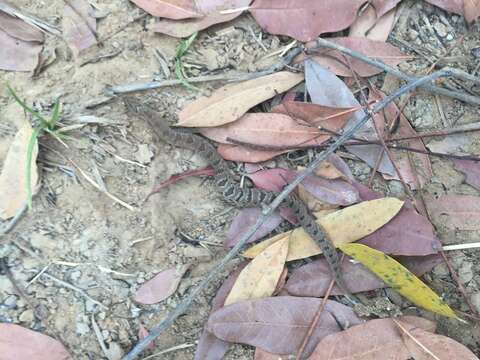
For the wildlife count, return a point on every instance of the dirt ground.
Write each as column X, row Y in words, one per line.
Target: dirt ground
column 79, row 236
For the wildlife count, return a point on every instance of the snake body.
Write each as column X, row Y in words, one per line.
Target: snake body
column 229, row 187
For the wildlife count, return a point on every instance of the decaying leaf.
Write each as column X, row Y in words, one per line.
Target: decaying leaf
column 171, row 9
column 13, row 177
column 377, row 339
column 279, row 324
column 245, row 154
column 399, row 278
column 471, row 169
column 19, row 29
column 370, row 26
column 342, row 227
column 17, row 342
column 161, row 286
column 17, row 55
column 79, row 26
column 455, row 211
column 260, row 277
column 471, row 9
column 230, row 102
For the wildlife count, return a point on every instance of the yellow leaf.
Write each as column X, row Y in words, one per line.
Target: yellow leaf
column 259, row 278
column 13, row 178
column 398, row 277
column 230, row 102
column 343, row 226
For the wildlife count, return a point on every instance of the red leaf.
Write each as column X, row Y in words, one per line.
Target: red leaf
column 304, row 20
column 143, row 333
column 264, row 355
column 378, row 339
column 271, row 179
column 384, row 6
column 247, row 218
column 369, row 26
column 455, row 211
column 279, row 324
column 336, row 62
column 19, row 29
column 245, row 154
column 471, row 9
column 455, row 6
column 18, row 55
column 79, row 26
column 471, row 169
column 17, row 343
column 171, row 9
column 161, row 286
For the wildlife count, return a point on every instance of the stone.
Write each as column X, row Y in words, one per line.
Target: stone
column 143, row 155
column 465, row 273
column 199, row 253
column 27, row 316
column 82, row 328
column 42, row 242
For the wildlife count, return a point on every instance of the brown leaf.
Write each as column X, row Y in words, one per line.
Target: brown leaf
column 378, row 339
column 161, row 286
column 471, row 9
column 304, row 20
column 336, row 62
column 18, row 343
column 460, row 212
column 171, row 9
column 279, row 324
column 13, row 177
column 471, row 169
column 265, row 355
column 230, row 102
column 455, row 6
column 79, row 26
column 369, row 26
column 143, row 333
column 19, row 29
column 246, row 154
column 17, row 55
column 442, row 347
column 260, row 277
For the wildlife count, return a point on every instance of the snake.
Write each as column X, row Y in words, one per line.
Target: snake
column 230, row 189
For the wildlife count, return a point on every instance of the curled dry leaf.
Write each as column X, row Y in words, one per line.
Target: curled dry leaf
column 369, row 26
column 17, row 343
column 379, row 50
column 230, row 102
column 342, row 227
column 171, row 9
column 260, row 277
column 161, row 286
column 279, row 324
column 377, row 339
column 79, row 26
column 399, row 278
column 13, row 177
column 455, row 211
column 304, row 20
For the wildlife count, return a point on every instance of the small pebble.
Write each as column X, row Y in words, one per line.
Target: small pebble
column 476, row 52
column 27, row 316
column 11, row 301
column 82, row 328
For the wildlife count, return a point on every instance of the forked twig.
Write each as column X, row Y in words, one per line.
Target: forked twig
column 268, row 210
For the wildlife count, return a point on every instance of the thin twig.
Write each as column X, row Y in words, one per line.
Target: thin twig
column 166, row 351
column 11, row 224
column 267, row 211
column 466, row 246
column 423, row 347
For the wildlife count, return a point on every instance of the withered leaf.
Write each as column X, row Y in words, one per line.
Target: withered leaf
column 455, row 211
column 79, row 26
column 171, row 9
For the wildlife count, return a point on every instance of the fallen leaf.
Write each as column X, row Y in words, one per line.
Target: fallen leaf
column 18, row 55
column 471, row 169
column 384, row 6
column 313, row 279
column 342, row 226
column 460, row 212
column 19, row 29
column 399, row 278
column 13, row 177
column 230, row 102
column 244, row 220
column 265, row 355
column 455, row 6
column 368, row 25
column 442, row 347
column 161, row 286
column 377, row 339
column 327, row 89
column 279, row 324
column 271, row 179
column 304, row 20
column 471, row 9
column 245, row 154
column 171, row 9
column 337, row 63
column 260, row 277
column 79, row 26
column 143, row 333
column 18, row 343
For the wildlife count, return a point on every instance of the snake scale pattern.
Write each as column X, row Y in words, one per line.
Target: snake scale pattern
column 229, row 187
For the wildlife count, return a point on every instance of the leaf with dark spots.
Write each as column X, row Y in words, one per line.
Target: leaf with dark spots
column 471, row 169
column 247, row 218
column 279, row 324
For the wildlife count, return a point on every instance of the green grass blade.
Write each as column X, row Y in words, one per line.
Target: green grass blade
column 55, row 115
column 28, row 172
column 181, row 77
column 25, row 106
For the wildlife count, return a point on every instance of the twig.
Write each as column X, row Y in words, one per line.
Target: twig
column 474, row 245
column 166, row 351
column 267, row 211
column 11, row 224
column 423, row 347
column 315, row 320
column 475, row 100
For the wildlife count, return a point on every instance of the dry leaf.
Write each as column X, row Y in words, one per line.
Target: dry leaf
column 19, row 29
column 471, row 169
column 13, row 178
column 18, row 55
column 245, row 154
column 260, row 277
column 373, row 28
column 343, row 226
column 171, row 9
column 230, row 102
column 161, row 286
column 79, row 26
column 471, row 9
column 18, row 343
column 455, row 211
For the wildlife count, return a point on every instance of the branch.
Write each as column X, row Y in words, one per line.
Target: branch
column 268, row 210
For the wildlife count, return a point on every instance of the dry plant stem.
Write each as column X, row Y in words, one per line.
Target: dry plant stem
column 423, row 347
column 315, row 320
column 11, row 224
column 267, row 211
column 474, row 100
column 461, row 288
